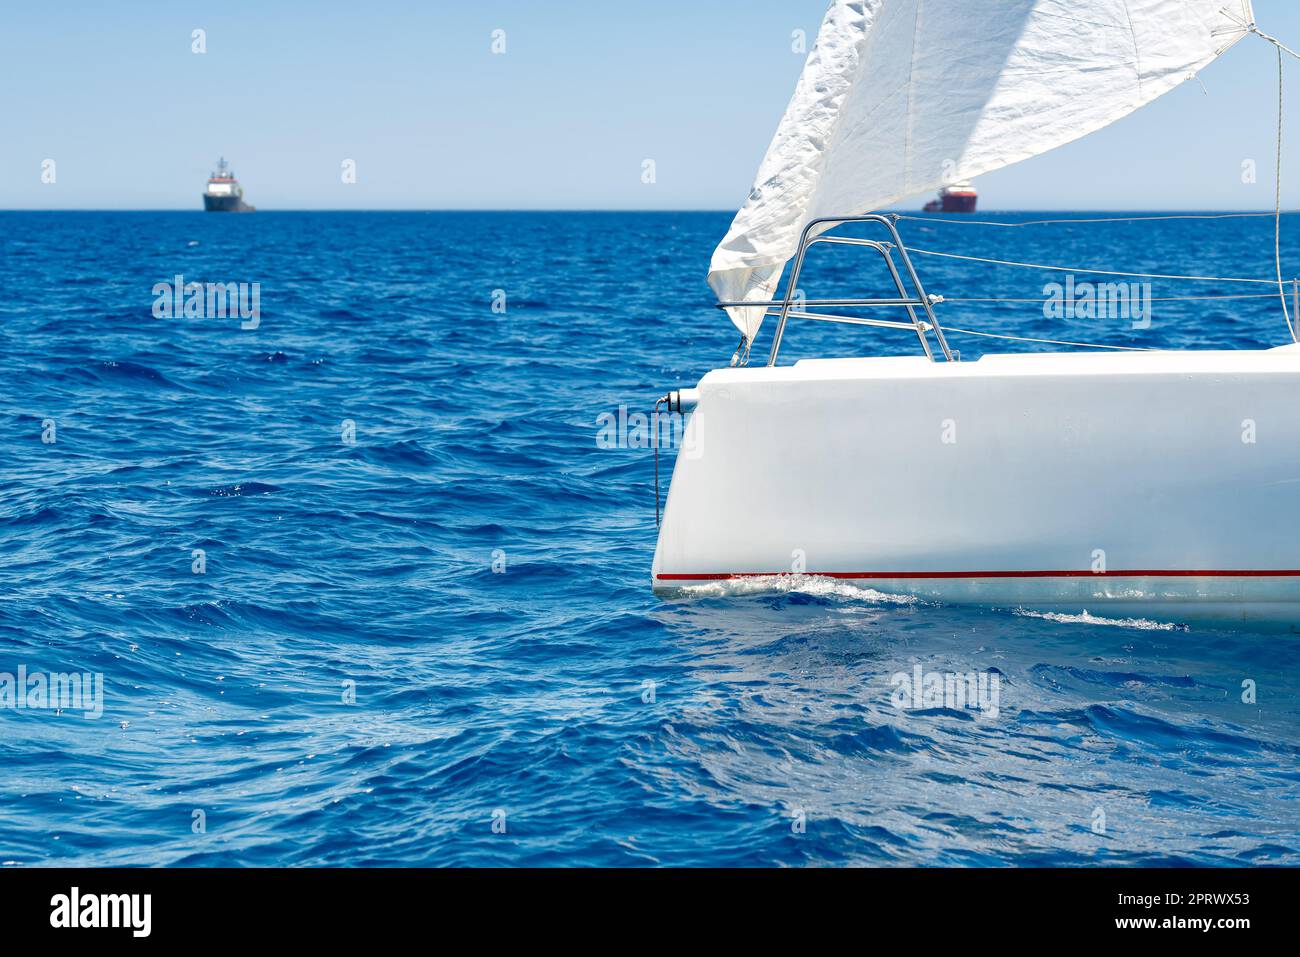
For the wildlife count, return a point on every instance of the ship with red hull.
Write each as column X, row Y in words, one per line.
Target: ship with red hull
column 958, row 198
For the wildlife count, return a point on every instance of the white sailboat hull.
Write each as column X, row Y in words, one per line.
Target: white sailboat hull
column 1160, row 485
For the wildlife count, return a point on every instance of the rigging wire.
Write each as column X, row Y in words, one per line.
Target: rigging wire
column 1051, row 342
column 1103, row 272
column 1274, row 40
column 1247, row 295
column 1088, row 219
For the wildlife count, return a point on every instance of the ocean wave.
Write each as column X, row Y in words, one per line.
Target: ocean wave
column 373, row 652
column 1084, row 618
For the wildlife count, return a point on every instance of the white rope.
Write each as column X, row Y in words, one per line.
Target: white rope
column 1274, row 40
column 1103, row 272
column 1050, row 342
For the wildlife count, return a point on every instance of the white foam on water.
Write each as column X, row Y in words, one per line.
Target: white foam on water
column 814, row 585
column 1083, row 618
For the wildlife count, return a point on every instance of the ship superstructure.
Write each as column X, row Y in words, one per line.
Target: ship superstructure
column 224, row 194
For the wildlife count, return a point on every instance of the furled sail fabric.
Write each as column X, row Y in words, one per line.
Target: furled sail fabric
column 900, row 97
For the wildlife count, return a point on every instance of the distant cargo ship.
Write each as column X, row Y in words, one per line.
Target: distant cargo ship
column 224, row 194
column 957, row 198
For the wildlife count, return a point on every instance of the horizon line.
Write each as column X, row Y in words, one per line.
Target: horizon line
column 691, row 209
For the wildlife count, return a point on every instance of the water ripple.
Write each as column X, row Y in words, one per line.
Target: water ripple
column 364, row 589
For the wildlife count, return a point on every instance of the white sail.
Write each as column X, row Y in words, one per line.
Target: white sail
column 900, row 97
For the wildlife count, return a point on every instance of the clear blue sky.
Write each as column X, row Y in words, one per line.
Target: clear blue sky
column 585, row 92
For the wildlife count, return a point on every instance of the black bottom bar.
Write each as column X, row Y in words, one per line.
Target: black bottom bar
column 332, row 907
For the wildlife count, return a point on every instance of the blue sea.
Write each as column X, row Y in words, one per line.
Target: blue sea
column 363, row 587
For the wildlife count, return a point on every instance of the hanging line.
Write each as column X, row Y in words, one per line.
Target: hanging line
column 1277, row 182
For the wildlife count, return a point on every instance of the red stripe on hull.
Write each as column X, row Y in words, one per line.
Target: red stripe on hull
column 1136, row 573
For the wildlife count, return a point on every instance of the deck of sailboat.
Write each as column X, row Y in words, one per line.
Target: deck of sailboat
column 1172, row 362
